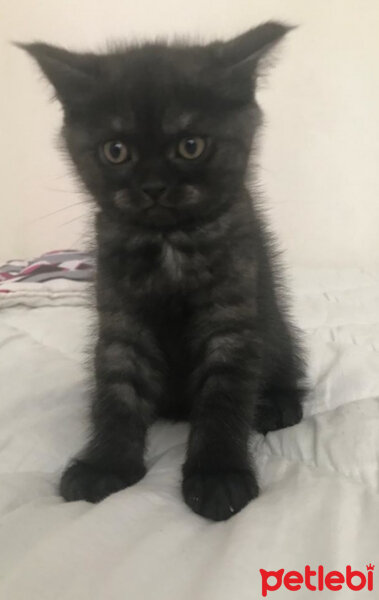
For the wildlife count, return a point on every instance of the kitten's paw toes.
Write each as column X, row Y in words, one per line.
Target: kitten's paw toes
column 219, row 495
column 278, row 415
column 84, row 481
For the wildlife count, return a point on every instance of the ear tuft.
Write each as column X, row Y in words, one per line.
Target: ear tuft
column 249, row 47
column 72, row 74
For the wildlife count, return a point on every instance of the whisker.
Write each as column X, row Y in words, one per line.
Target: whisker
column 64, row 176
column 71, row 221
column 70, row 192
column 57, row 211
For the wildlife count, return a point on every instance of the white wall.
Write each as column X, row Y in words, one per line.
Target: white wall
column 320, row 147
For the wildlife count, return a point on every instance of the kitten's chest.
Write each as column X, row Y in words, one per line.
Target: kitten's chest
column 172, row 266
column 175, row 264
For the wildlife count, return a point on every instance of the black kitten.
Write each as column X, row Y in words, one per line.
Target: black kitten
column 190, row 322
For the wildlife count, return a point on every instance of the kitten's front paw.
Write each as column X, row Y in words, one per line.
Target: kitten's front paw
column 84, row 481
column 218, row 495
column 277, row 414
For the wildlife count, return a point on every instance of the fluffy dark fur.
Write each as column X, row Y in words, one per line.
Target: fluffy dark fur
column 190, row 317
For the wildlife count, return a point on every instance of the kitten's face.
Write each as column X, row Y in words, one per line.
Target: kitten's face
column 160, row 134
column 150, row 145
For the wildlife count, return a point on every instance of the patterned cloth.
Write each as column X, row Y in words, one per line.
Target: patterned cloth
column 58, row 264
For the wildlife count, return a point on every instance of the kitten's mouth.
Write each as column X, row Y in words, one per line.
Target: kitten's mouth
column 157, row 208
column 159, row 214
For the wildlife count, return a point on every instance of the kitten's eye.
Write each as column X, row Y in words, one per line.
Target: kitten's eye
column 116, row 152
column 191, row 148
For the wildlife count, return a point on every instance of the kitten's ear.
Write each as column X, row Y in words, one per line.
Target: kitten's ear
column 72, row 74
column 239, row 61
column 245, row 52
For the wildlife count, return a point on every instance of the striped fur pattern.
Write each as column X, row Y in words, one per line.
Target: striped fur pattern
column 191, row 317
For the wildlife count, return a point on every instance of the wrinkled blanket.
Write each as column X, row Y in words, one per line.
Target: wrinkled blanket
column 319, row 502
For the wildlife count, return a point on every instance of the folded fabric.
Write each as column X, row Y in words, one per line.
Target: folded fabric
column 58, row 264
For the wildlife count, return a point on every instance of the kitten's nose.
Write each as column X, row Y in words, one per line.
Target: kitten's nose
column 154, row 189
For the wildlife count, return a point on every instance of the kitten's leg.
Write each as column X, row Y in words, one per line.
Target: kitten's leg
column 218, row 476
column 129, row 382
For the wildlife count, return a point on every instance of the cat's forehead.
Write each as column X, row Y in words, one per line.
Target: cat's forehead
column 171, row 120
column 176, row 118
column 158, row 71
column 154, row 87
column 160, row 59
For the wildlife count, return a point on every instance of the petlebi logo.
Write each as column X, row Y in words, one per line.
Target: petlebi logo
column 318, row 580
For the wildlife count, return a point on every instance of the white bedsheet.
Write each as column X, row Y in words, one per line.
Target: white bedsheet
column 319, row 501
